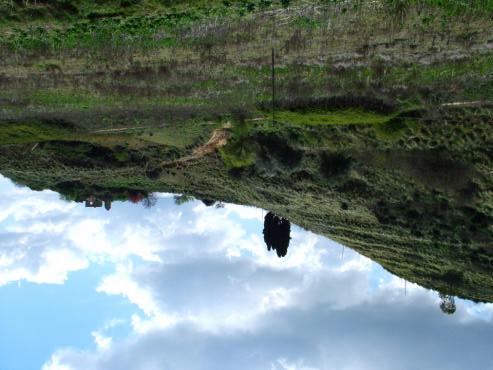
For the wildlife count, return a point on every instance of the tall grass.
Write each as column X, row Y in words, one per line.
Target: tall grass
column 112, row 31
column 450, row 7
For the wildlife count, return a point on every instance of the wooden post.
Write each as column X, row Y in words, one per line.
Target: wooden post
column 273, row 88
column 273, row 42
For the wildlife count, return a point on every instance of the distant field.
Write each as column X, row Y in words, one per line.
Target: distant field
column 81, row 60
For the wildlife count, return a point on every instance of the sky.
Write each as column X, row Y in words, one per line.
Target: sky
column 193, row 287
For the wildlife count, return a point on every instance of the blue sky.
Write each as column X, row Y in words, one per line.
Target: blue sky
column 193, row 287
column 38, row 318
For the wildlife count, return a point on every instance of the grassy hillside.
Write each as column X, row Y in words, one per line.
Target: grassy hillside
column 413, row 194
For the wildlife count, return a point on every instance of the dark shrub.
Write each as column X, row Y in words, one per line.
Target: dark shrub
column 334, row 164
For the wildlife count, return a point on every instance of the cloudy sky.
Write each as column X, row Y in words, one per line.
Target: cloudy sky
column 193, row 287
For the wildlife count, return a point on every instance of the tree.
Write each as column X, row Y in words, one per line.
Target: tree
column 182, row 199
column 285, row 3
column 135, row 197
column 208, row 202
column 447, row 304
column 277, row 232
column 150, row 200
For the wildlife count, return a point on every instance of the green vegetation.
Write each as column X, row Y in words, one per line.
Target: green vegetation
column 418, row 200
column 382, row 134
column 339, row 117
column 239, row 153
column 32, row 132
column 450, row 7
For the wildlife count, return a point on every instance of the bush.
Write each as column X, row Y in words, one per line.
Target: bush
column 334, row 164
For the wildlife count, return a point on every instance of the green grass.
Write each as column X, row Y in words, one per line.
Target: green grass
column 113, row 60
column 31, row 132
column 66, row 99
column 240, row 151
column 478, row 65
column 96, row 30
column 450, row 7
column 393, row 129
column 112, row 25
column 90, row 100
column 237, row 156
column 336, row 117
column 184, row 135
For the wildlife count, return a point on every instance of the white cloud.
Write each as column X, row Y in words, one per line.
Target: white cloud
column 246, row 213
column 102, row 342
column 54, row 363
column 283, row 364
column 121, row 283
column 56, row 265
column 208, row 295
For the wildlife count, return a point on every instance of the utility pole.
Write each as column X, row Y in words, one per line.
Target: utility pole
column 273, row 88
column 273, row 77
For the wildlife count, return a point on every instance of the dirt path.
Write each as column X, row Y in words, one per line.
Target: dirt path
column 468, row 104
column 218, row 139
column 119, row 129
column 122, row 129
